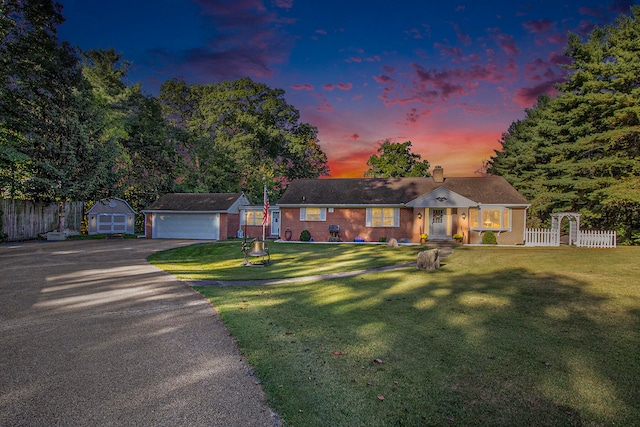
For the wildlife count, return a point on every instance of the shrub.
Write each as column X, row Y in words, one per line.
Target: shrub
column 489, row 238
column 382, row 239
column 305, row 236
column 457, row 237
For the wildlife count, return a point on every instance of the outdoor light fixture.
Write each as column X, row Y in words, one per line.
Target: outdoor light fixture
column 419, row 215
column 464, row 216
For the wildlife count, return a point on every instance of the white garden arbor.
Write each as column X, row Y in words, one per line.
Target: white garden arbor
column 551, row 237
column 574, row 225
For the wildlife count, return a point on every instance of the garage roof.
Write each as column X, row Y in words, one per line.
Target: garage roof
column 197, row 202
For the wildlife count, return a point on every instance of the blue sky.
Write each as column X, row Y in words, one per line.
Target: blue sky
column 449, row 77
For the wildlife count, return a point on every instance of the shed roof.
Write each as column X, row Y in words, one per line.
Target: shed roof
column 396, row 191
column 195, row 202
column 112, row 205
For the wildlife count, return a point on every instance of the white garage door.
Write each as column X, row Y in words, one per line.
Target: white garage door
column 186, row 226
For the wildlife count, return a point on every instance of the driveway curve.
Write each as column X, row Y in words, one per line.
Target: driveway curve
column 91, row 334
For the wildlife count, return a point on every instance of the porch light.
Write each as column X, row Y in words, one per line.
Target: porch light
column 464, row 216
column 419, row 215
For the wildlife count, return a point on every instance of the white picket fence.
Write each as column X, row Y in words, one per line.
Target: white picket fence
column 597, row 239
column 541, row 237
column 588, row 239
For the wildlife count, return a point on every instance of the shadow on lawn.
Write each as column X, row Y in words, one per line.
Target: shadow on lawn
column 506, row 348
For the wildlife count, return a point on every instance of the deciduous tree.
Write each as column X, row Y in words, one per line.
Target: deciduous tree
column 395, row 159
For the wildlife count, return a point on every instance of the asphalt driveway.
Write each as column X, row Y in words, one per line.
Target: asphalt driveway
column 91, row 334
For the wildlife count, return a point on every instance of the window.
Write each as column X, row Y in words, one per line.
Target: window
column 251, row 218
column 313, row 214
column 490, row 218
column 383, row 217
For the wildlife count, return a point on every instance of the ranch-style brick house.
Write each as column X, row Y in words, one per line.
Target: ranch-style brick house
column 368, row 209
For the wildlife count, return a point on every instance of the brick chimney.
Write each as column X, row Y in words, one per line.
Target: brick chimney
column 438, row 174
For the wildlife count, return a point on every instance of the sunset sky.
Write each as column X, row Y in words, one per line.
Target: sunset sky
column 448, row 76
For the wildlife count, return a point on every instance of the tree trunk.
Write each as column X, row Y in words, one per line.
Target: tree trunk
column 62, row 216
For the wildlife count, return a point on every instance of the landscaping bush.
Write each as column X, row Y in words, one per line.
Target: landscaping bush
column 305, row 236
column 489, row 238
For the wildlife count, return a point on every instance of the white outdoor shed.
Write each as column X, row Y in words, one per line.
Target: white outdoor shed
column 111, row 216
column 202, row 216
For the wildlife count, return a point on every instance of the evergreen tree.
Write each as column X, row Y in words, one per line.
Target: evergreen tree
column 581, row 150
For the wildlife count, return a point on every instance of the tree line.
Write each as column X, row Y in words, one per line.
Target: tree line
column 72, row 128
column 580, row 150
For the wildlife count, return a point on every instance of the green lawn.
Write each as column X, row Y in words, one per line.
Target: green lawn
column 223, row 260
column 497, row 337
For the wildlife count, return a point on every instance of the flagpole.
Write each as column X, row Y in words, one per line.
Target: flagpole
column 265, row 214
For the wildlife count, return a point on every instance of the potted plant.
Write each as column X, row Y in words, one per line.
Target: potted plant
column 458, row 238
column 423, row 237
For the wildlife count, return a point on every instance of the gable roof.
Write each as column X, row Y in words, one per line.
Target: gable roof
column 196, row 202
column 396, row 191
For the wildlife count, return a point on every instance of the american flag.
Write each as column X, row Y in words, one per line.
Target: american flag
column 265, row 212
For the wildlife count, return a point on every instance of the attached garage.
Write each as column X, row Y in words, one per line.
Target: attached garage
column 210, row 216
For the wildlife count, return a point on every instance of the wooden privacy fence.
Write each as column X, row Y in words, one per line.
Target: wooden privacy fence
column 26, row 220
column 588, row 239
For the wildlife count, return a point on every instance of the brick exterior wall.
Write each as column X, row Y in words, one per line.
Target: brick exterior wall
column 352, row 222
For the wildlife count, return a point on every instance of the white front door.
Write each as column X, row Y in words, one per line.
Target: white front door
column 275, row 223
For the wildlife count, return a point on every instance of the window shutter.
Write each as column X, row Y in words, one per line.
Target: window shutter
column 323, row 214
column 368, row 217
column 303, row 214
column 396, row 217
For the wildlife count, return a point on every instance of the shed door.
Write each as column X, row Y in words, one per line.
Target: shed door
column 112, row 223
column 186, row 226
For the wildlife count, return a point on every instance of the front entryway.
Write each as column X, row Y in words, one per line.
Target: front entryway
column 275, row 223
column 438, row 223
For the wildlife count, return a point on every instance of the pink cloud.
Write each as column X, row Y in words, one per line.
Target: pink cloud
column 344, row 86
column 463, row 38
column 384, row 79
column 324, row 106
column 284, row 4
column 323, row 32
column 448, row 50
column 527, row 96
column 328, row 87
column 539, row 26
column 305, row 86
column 505, row 41
column 414, row 115
column 355, row 59
column 354, row 136
column 245, row 39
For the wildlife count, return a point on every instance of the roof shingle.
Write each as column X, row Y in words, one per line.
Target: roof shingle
column 396, row 191
column 202, row 202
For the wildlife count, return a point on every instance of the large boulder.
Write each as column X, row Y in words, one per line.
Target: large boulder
column 429, row 259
